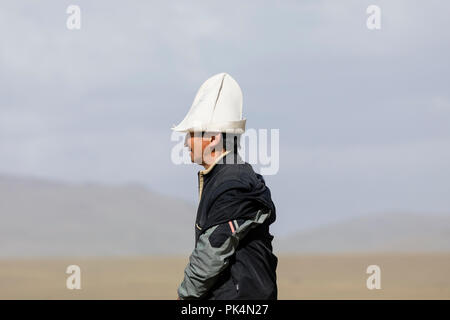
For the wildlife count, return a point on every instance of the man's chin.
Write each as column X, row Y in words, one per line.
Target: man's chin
column 193, row 160
column 196, row 160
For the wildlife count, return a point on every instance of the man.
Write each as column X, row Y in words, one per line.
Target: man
column 232, row 258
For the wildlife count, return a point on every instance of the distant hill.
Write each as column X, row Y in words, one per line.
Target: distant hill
column 376, row 233
column 44, row 218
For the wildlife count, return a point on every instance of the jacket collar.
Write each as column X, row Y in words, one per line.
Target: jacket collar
column 206, row 171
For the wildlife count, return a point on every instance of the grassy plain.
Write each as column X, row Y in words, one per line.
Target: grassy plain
column 403, row 276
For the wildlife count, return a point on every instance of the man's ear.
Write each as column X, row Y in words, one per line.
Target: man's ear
column 215, row 140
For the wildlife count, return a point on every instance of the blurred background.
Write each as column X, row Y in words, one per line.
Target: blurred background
column 86, row 175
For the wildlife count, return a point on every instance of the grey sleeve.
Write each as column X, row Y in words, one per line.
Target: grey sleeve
column 211, row 255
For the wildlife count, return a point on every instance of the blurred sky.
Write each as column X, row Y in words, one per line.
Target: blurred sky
column 364, row 116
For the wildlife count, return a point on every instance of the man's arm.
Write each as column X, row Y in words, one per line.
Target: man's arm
column 212, row 253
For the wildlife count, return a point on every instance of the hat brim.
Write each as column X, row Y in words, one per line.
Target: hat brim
column 236, row 127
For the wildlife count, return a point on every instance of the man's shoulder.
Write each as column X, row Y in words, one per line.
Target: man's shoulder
column 235, row 192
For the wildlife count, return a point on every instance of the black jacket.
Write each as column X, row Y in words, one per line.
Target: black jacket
column 233, row 256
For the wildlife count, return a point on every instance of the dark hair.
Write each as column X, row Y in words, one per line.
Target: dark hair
column 231, row 141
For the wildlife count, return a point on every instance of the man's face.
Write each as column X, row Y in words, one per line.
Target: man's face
column 201, row 146
column 196, row 145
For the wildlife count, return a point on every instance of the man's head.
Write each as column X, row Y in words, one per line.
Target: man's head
column 205, row 147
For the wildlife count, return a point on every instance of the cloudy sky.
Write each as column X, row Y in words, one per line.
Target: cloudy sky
column 364, row 115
